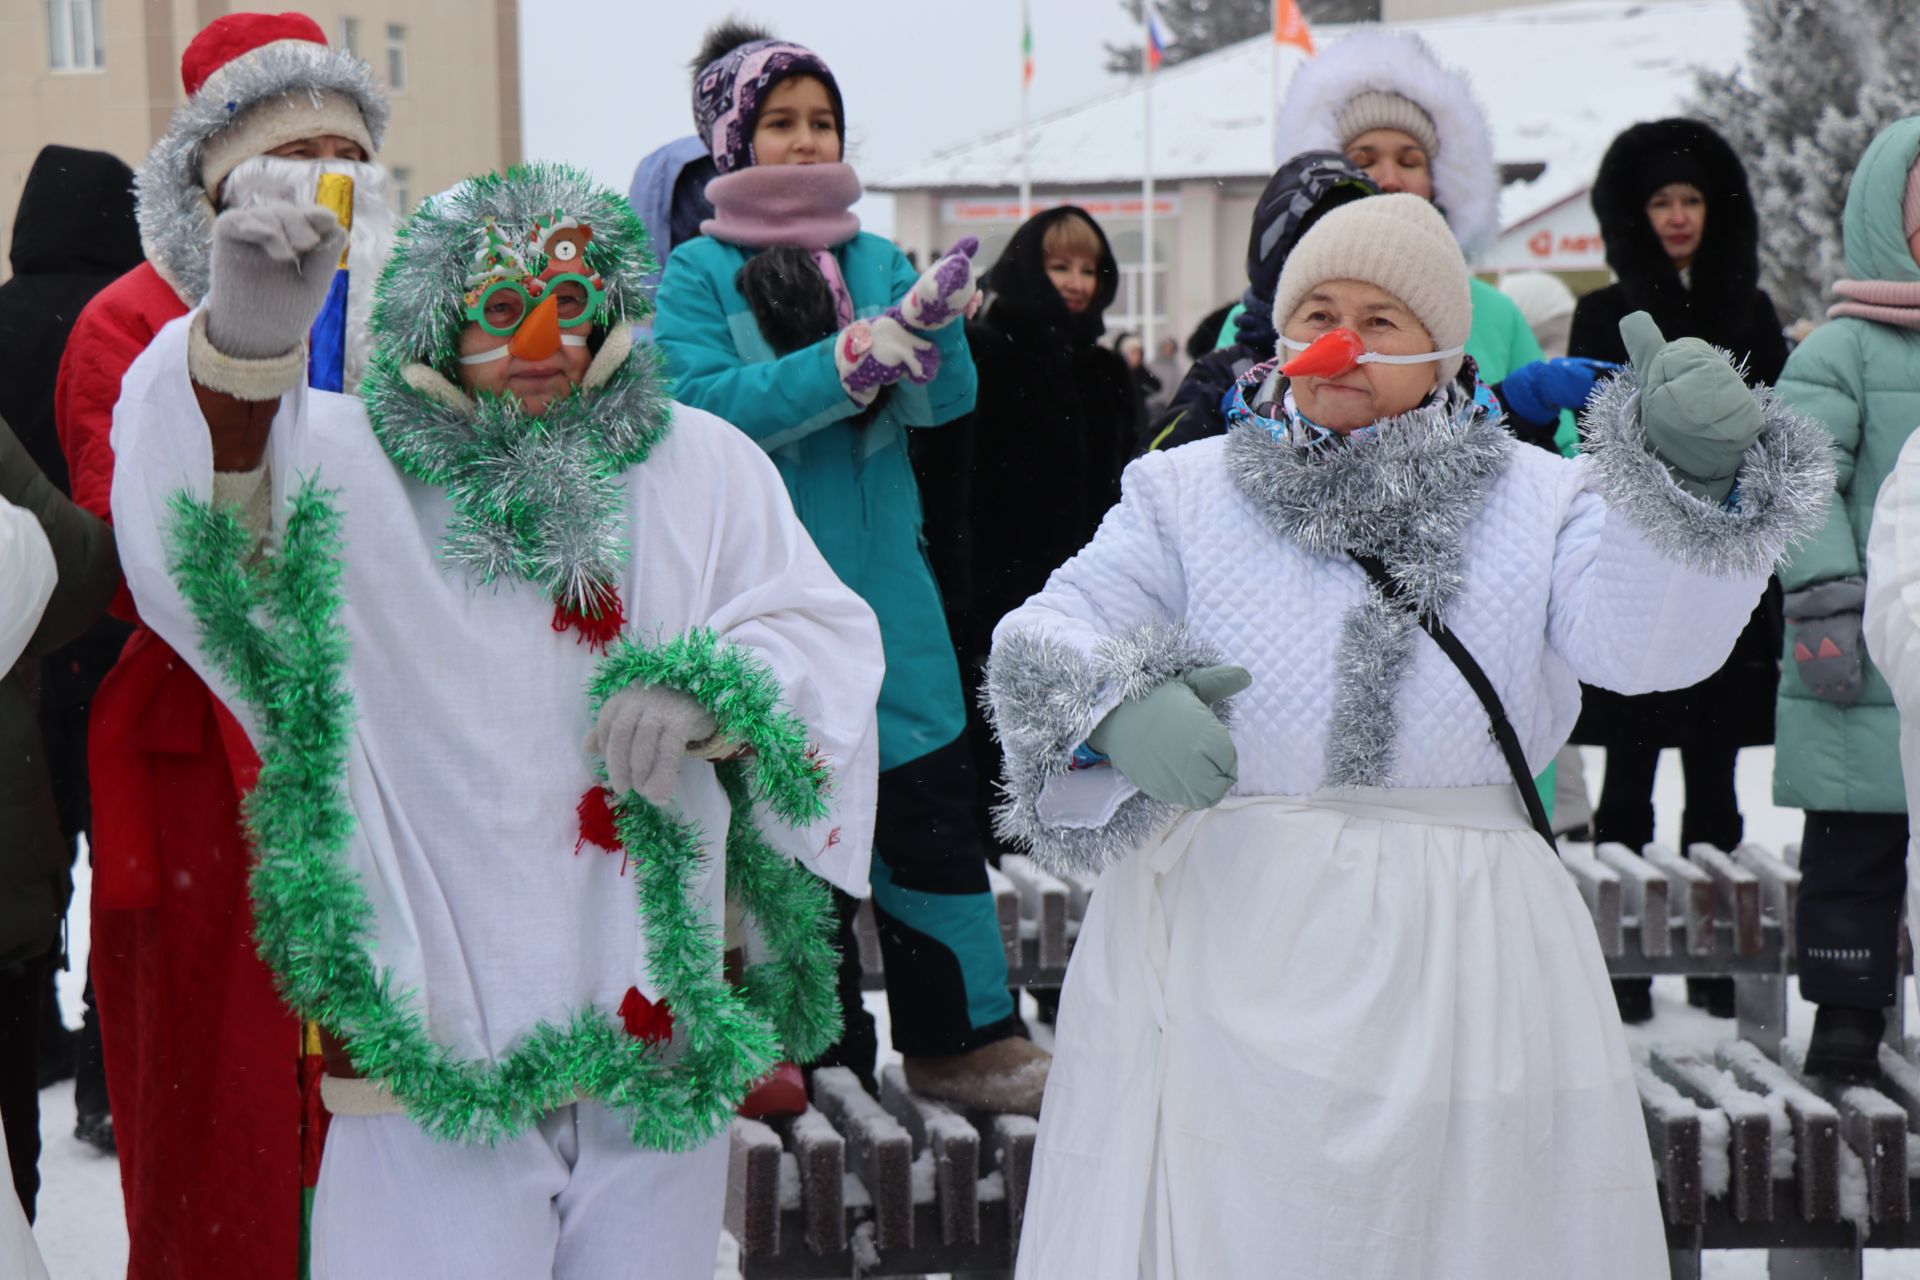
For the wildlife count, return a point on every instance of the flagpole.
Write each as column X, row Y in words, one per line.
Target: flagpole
column 1026, row 84
column 1146, row 185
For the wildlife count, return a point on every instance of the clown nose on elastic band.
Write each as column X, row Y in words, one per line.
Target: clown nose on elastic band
column 1327, row 356
column 539, row 334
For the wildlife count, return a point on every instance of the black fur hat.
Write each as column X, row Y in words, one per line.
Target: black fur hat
column 1725, row 273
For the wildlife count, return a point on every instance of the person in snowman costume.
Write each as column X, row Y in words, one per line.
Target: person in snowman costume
column 1336, row 1009
column 542, row 669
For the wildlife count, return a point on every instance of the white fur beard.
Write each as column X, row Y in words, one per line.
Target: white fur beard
column 280, row 178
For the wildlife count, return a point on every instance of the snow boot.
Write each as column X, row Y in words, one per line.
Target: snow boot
column 96, row 1130
column 1008, row 1076
column 1846, row 1043
column 1715, row 995
column 1635, row 998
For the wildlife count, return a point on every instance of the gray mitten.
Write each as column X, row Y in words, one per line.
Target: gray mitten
column 1698, row 414
column 1170, row 744
column 1825, row 619
column 642, row 732
column 272, row 265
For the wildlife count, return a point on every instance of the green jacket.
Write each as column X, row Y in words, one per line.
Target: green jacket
column 852, row 484
column 1861, row 380
column 35, row 876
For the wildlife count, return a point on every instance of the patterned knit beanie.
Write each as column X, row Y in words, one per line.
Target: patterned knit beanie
column 730, row 91
column 1399, row 243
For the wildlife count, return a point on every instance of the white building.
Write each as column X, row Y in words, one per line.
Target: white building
column 1559, row 81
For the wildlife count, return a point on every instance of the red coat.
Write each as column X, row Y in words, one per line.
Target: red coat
column 202, row 1056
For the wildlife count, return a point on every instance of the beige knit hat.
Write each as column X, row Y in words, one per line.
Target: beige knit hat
column 1399, row 243
column 1378, row 109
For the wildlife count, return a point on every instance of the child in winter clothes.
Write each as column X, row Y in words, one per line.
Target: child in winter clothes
column 1332, row 897
column 825, row 345
column 1052, row 427
column 1839, row 734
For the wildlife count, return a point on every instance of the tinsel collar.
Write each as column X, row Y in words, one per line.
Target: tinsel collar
column 537, row 499
column 1405, row 491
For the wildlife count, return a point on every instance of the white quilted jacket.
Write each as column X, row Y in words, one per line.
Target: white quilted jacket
column 1599, row 569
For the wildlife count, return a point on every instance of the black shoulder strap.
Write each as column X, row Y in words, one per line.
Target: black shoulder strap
column 1498, row 724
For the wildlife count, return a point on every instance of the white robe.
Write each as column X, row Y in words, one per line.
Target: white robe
column 466, row 761
column 1363, row 1033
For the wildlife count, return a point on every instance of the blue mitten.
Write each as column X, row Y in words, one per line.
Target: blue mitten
column 1170, row 744
column 1539, row 390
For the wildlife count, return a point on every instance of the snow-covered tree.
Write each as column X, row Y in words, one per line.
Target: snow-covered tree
column 1822, row 77
column 1194, row 27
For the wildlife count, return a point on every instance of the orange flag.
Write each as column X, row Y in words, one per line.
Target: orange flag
column 1290, row 27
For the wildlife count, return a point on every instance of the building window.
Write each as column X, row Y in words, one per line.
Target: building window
column 396, row 57
column 402, row 185
column 73, row 35
column 350, row 35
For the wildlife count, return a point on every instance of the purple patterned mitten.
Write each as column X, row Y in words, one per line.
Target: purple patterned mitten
column 944, row 292
column 875, row 353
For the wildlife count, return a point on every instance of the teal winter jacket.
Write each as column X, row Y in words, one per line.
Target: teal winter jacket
column 1861, row 380
column 851, row 484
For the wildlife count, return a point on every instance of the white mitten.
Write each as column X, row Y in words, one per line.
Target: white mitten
column 944, row 292
column 643, row 732
column 872, row 354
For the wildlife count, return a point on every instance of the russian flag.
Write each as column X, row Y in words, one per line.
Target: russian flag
column 1156, row 41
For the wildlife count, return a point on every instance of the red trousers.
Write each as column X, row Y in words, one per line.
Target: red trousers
column 202, row 1057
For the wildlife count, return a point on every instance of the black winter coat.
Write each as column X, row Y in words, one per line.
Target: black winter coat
column 35, row 879
column 1017, row 487
column 1724, row 305
column 73, row 235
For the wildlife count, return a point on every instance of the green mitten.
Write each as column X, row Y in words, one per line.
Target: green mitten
column 1170, row 744
column 1699, row 416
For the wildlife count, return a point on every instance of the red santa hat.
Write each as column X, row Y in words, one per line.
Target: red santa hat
column 252, row 64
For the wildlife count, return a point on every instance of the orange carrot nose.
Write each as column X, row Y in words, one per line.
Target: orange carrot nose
column 1329, row 356
column 539, row 334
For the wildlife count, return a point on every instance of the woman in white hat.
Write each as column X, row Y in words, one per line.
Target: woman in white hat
column 1336, row 1009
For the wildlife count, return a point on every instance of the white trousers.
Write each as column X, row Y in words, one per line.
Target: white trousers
column 573, row 1199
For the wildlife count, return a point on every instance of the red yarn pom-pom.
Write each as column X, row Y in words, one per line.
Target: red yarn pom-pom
column 596, row 823
column 644, row 1019
column 597, row 629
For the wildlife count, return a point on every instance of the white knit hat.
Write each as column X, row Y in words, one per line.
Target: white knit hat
column 1379, row 109
column 1399, row 243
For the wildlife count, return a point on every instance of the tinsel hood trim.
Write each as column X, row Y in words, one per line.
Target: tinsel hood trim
column 1781, row 492
column 274, row 628
column 421, row 307
column 1042, row 696
column 176, row 217
column 1408, row 492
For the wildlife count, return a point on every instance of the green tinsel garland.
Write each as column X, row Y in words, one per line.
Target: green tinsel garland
column 274, row 627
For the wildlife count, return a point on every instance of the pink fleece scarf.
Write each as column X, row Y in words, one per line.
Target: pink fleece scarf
column 804, row 206
column 1895, row 302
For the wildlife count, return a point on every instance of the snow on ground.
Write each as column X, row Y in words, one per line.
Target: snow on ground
column 83, row 1235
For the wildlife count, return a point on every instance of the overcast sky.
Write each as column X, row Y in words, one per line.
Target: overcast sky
column 605, row 81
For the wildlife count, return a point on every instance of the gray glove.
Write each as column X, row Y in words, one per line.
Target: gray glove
column 272, row 265
column 1699, row 416
column 1825, row 622
column 642, row 732
column 1170, row 744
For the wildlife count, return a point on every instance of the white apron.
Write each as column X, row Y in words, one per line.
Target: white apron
column 1358, row 1035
